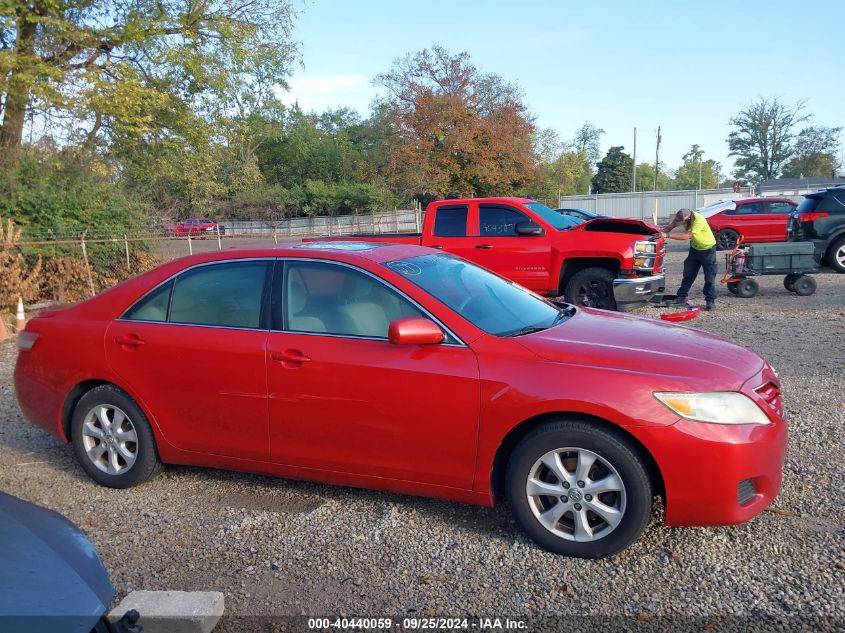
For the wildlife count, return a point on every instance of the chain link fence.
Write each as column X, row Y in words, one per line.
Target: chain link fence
column 64, row 267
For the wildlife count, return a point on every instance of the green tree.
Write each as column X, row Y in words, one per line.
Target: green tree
column 587, row 139
column 614, row 172
column 94, row 68
column 693, row 167
column 816, row 153
column 762, row 137
column 645, row 178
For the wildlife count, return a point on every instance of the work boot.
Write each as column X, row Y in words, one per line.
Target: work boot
column 710, row 305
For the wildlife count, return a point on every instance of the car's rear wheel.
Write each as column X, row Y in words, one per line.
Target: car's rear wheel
column 836, row 255
column 578, row 490
column 112, row 438
column 726, row 239
column 591, row 287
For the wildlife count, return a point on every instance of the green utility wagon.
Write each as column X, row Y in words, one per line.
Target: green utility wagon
column 794, row 260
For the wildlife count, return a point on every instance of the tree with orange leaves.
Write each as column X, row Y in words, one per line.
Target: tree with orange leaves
column 458, row 131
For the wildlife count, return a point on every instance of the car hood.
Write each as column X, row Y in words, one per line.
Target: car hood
column 51, row 578
column 599, row 338
column 619, row 225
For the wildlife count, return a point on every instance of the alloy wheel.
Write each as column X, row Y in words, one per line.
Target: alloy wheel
column 576, row 494
column 109, row 439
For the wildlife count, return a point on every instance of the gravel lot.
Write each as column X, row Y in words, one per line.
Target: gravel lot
column 287, row 548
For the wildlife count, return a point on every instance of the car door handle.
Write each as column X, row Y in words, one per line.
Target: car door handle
column 483, row 246
column 129, row 341
column 440, row 246
column 289, row 356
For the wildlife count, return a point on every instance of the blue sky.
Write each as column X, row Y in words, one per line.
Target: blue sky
column 685, row 66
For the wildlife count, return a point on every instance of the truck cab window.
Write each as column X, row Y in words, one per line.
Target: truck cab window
column 499, row 221
column 451, row 221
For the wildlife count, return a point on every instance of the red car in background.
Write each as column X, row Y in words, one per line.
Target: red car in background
column 410, row 370
column 196, row 227
column 752, row 219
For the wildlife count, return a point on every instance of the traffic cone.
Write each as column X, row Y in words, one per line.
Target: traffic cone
column 20, row 316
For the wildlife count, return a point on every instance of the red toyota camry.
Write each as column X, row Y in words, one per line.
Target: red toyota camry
column 410, row 370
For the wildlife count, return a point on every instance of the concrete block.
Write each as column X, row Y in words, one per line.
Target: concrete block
column 173, row 611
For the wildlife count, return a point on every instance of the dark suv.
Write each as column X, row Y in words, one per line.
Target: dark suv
column 821, row 219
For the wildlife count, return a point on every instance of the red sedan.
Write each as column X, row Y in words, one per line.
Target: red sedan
column 752, row 219
column 410, row 370
column 196, row 227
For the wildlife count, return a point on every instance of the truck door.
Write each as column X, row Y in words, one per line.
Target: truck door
column 522, row 258
column 448, row 231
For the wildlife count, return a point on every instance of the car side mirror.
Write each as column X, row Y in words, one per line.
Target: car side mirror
column 414, row 331
column 528, row 228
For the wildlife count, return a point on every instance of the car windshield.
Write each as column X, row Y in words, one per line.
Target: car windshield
column 489, row 302
column 557, row 220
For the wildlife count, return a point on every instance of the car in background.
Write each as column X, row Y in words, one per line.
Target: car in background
column 752, row 219
column 51, row 578
column 196, row 227
column 820, row 218
column 582, row 215
column 411, row 370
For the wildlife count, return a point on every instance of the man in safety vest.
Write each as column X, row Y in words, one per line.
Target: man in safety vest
column 702, row 254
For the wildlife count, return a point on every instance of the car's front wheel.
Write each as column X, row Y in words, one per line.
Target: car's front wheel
column 578, row 490
column 591, row 287
column 112, row 438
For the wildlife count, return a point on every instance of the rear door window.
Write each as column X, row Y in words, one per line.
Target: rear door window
column 230, row 294
column 783, row 208
column 153, row 306
column 749, row 208
column 451, row 221
column 498, row 220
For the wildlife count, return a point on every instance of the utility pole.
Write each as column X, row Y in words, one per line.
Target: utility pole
column 656, row 158
column 634, row 174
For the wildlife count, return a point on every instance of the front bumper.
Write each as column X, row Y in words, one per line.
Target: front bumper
column 718, row 474
column 637, row 291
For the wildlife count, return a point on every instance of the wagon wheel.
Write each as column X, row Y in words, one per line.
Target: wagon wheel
column 732, row 287
column 805, row 286
column 789, row 281
column 747, row 288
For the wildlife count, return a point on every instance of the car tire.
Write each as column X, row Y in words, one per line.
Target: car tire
column 573, row 528
column 120, row 456
column 591, row 287
column 726, row 240
column 789, row 281
column 836, row 255
column 804, row 286
column 747, row 288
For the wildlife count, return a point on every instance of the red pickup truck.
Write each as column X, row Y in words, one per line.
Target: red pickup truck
column 609, row 263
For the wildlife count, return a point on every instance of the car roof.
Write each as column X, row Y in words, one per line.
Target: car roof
column 349, row 252
column 483, row 200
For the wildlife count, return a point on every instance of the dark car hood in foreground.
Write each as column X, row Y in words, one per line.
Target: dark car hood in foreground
column 51, row 578
column 610, row 339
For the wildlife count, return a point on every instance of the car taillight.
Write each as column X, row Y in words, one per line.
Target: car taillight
column 812, row 216
column 26, row 340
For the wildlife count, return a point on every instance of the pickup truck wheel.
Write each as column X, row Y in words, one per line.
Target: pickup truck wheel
column 578, row 490
column 591, row 287
column 836, row 255
column 112, row 438
column 726, row 239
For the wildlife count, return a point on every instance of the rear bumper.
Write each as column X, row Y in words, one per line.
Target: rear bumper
column 719, row 474
column 631, row 293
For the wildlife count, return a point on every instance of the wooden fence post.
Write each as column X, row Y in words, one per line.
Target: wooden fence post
column 126, row 248
column 190, row 247
column 219, row 245
column 87, row 263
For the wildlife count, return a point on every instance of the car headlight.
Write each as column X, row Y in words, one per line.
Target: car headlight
column 645, row 247
column 717, row 407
